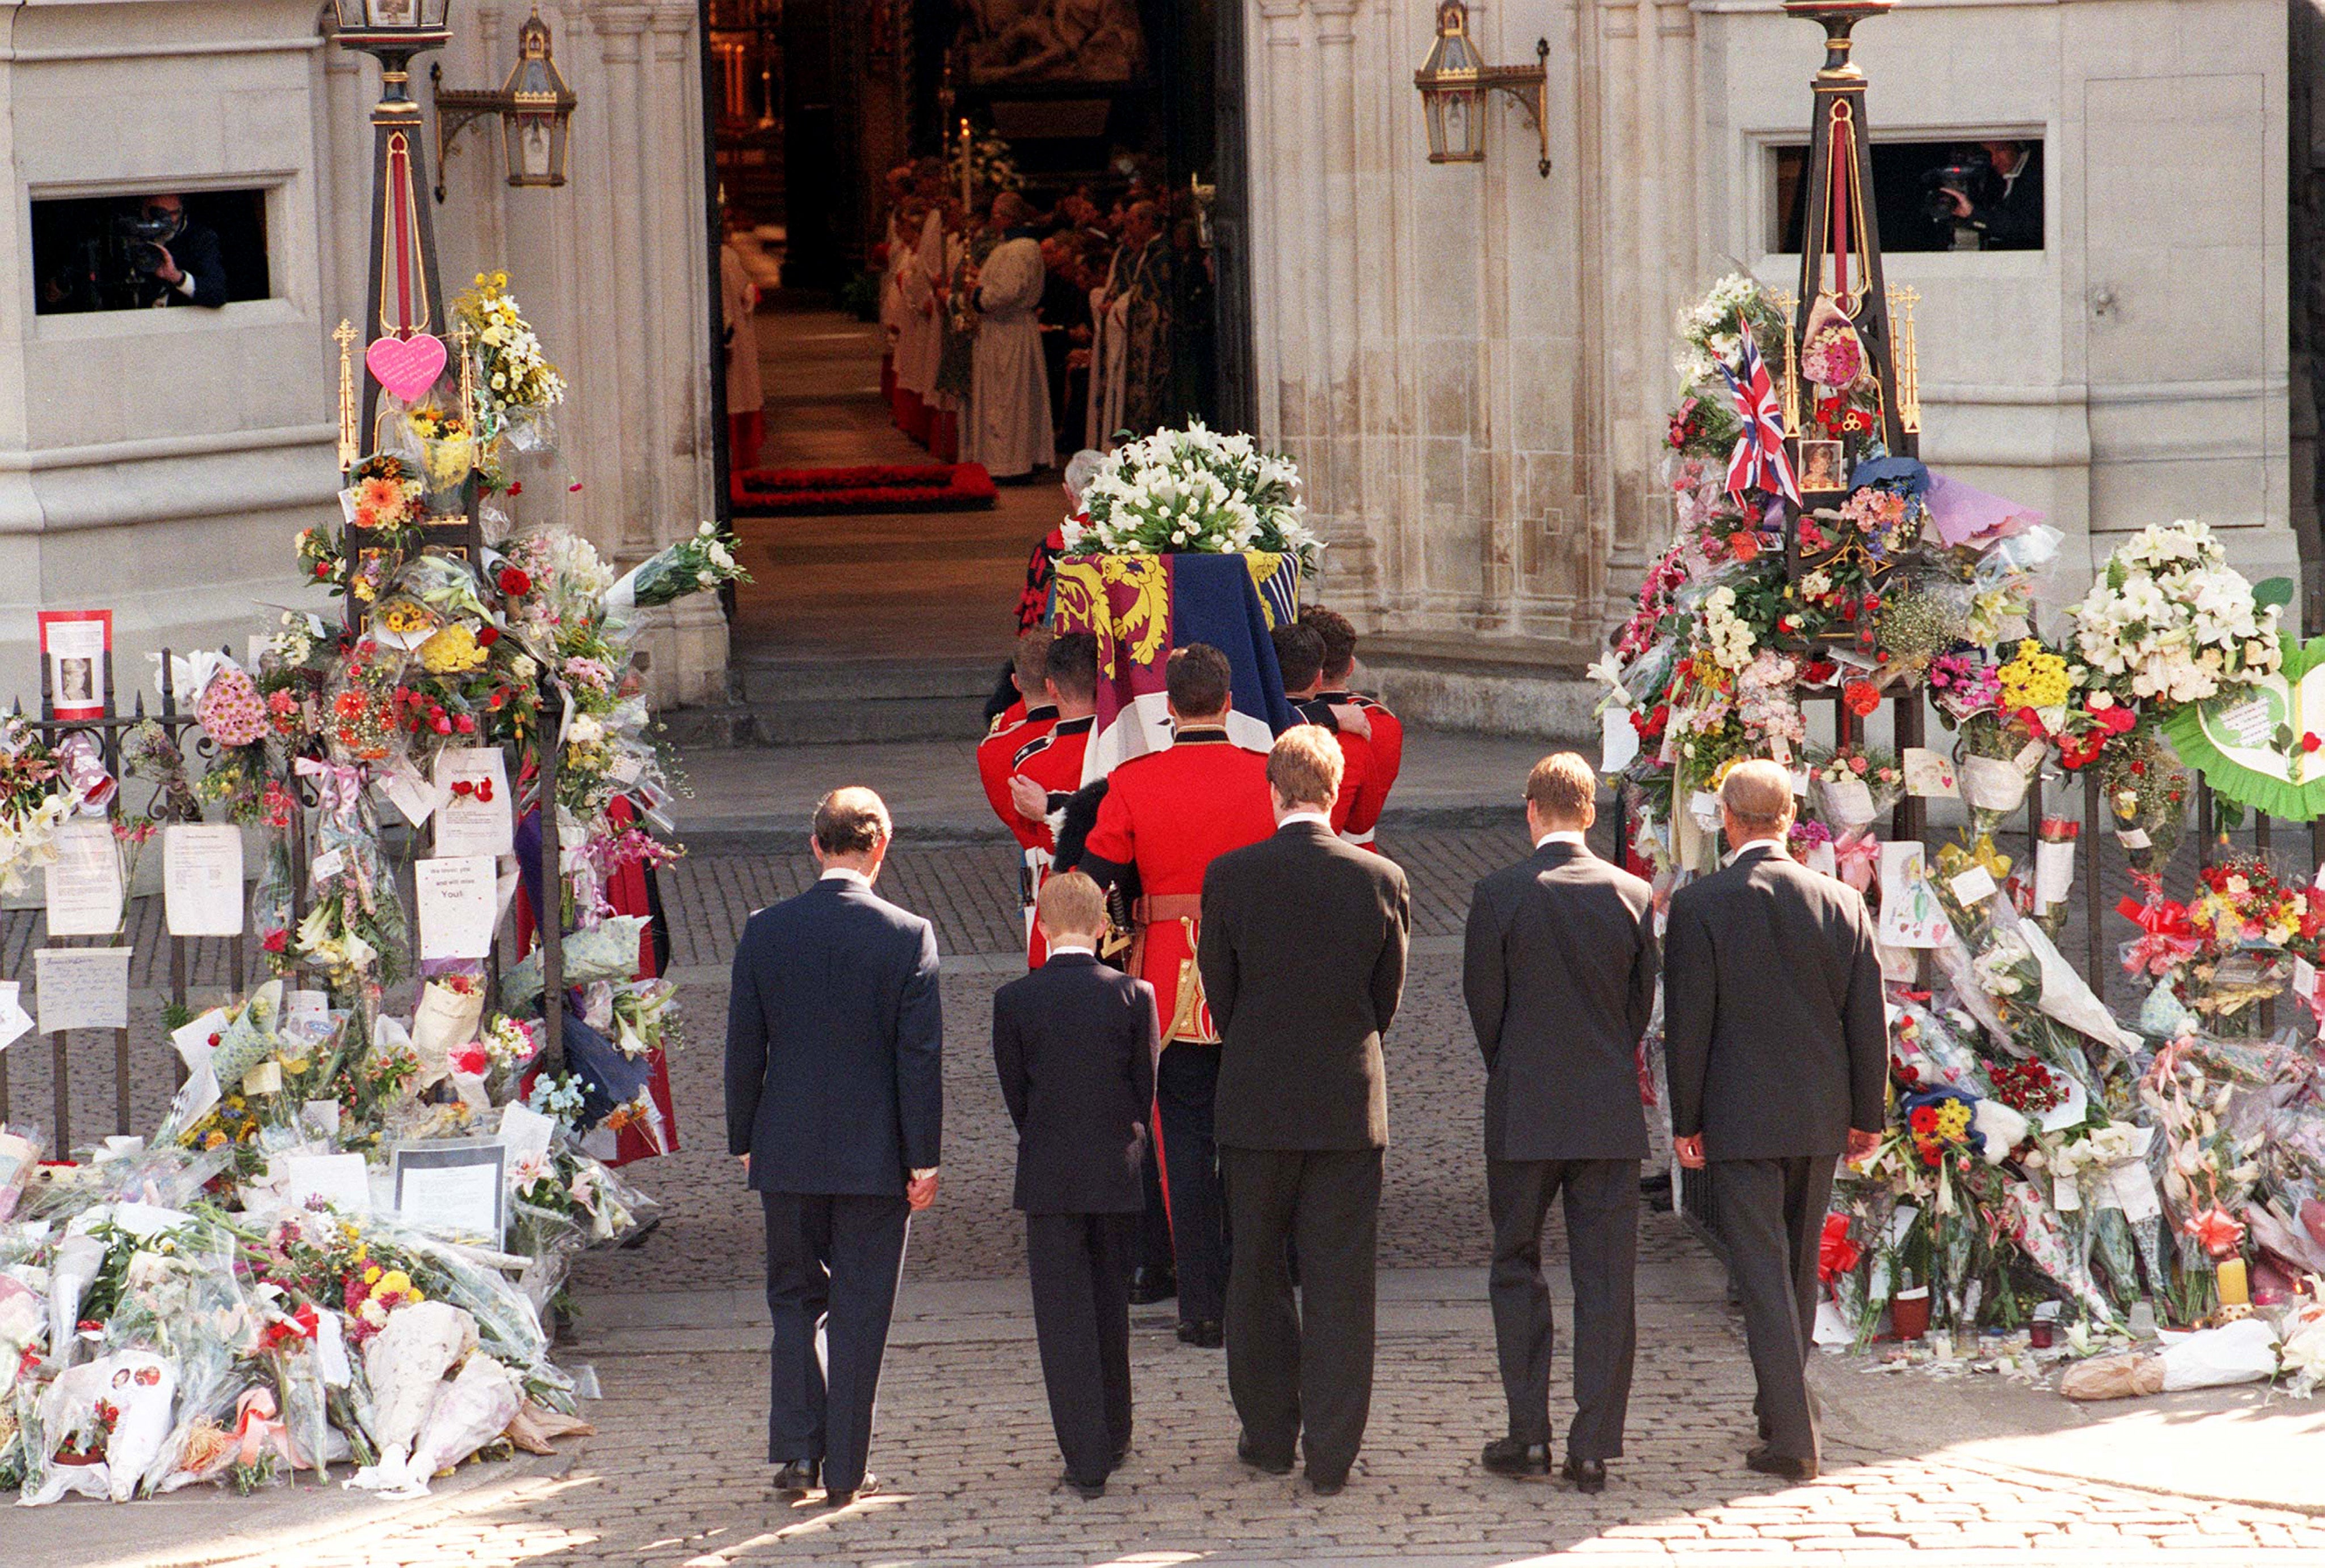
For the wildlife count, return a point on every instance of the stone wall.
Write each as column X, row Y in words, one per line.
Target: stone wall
column 1470, row 362
column 160, row 462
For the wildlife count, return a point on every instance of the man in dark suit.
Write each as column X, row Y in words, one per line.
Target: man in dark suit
column 834, row 1044
column 1779, row 1061
column 1074, row 1042
column 1302, row 957
column 1558, row 968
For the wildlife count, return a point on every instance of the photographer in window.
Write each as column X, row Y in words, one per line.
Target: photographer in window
column 142, row 255
column 1990, row 196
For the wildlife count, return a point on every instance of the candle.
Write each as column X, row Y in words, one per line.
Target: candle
column 964, row 162
column 2233, row 1289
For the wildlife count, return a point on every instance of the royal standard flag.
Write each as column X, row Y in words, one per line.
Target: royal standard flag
column 1141, row 607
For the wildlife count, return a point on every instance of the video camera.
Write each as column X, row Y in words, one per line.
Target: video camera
column 1966, row 170
column 114, row 262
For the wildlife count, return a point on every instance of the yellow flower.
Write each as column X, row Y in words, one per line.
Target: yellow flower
column 214, row 1141
column 454, row 651
column 403, row 616
column 371, row 1274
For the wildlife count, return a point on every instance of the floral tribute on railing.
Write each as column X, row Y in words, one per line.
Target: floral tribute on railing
column 2054, row 1181
column 344, row 1240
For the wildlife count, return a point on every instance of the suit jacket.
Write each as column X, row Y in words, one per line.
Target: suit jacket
column 1074, row 1043
column 1558, row 968
column 1302, row 954
column 1772, row 1023
column 835, row 1043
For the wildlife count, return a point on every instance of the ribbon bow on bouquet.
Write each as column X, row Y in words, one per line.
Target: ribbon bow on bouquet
column 1855, row 856
column 339, row 787
column 2167, row 939
column 1836, row 1254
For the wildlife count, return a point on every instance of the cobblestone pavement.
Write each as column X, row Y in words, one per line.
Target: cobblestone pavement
column 674, row 1332
column 964, row 1441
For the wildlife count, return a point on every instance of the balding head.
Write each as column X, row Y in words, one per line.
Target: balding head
column 851, row 830
column 1011, row 210
column 1756, row 802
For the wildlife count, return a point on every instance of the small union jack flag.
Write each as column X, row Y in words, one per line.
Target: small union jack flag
column 1759, row 462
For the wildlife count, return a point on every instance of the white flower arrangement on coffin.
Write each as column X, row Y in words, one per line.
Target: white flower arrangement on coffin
column 2170, row 622
column 1194, row 491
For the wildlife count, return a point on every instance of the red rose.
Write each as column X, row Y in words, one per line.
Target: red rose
column 514, row 582
column 2310, row 743
column 1860, row 697
column 322, row 568
column 275, row 941
column 487, row 635
column 516, row 487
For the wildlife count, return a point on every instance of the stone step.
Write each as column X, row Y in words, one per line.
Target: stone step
column 771, row 681
column 799, row 703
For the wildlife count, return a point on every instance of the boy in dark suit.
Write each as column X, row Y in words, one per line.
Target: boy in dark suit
column 1075, row 1043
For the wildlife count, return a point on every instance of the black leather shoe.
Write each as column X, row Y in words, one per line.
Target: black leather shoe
column 864, row 1489
column 796, row 1478
column 1250, row 1456
column 1327, row 1486
column 1121, row 1453
column 1207, row 1335
column 1508, row 1456
column 1588, row 1475
column 1087, row 1491
column 1768, row 1462
column 1149, row 1286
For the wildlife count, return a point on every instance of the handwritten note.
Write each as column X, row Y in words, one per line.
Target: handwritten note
column 456, row 905
column 82, row 988
column 202, row 879
column 453, row 1187
column 1928, row 773
column 84, row 881
column 472, row 816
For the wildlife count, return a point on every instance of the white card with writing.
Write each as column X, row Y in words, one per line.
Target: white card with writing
column 2054, row 871
column 196, row 1040
column 1618, row 742
column 82, row 988
column 456, row 906
column 454, row 1187
column 410, row 794
column 472, row 795
column 1928, row 773
column 1911, row 915
column 1973, row 885
column 84, row 881
column 201, row 878
column 339, row 1180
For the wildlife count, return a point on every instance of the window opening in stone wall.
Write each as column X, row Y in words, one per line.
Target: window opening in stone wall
column 149, row 250
column 1932, row 195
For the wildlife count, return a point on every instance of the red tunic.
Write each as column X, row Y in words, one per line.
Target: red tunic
column 1171, row 814
column 1053, row 759
column 1388, row 745
column 996, row 756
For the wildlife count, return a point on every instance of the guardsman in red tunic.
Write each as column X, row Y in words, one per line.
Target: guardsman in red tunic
column 1048, row 769
column 996, row 758
column 1387, row 730
column 1171, row 814
column 1299, row 658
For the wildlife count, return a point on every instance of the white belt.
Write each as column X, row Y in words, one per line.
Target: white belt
column 1361, row 840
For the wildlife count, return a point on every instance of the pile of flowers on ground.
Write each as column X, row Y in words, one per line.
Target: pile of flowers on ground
column 246, row 1293
column 2044, row 1156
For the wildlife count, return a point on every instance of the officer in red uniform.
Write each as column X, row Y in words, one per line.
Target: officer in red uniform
column 1048, row 769
column 1387, row 730
column 1170, row 813
column 1299, row 657
column 1032, row 716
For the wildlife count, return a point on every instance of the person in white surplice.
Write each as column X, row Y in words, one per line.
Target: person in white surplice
column 1008, row 426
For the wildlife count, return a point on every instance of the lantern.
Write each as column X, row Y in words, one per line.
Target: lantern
column 393, row 29
column 1455, row 82
column 539, row 107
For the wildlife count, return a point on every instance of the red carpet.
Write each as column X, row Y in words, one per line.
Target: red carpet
column 907, row 488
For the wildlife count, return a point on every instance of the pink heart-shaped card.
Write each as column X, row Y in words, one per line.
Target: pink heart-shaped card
column 407, row 366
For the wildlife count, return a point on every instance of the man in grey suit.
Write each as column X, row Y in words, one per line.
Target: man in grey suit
column 1558, row 968
column 1779, row 1062
column 1302, row 954
column 835, row 1105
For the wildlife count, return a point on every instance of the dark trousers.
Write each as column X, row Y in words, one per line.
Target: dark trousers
column 832, row 1260
column 1310, row 1365
column 1080, row 1269
column 1185, row 1081
column 1770, row 1216
column 1602, row 1243
column 1155, row 1224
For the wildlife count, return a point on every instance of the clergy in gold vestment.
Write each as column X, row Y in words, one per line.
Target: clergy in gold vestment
column 1007, row 426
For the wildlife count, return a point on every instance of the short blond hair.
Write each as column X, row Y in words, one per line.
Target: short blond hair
column 1071, row 903
column 1757, row 794
column 1305, row 766
column 1563, row 788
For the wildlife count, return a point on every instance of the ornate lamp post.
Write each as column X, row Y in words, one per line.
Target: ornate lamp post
column 535, row 108
column 1455, row 83
column 404, row 301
